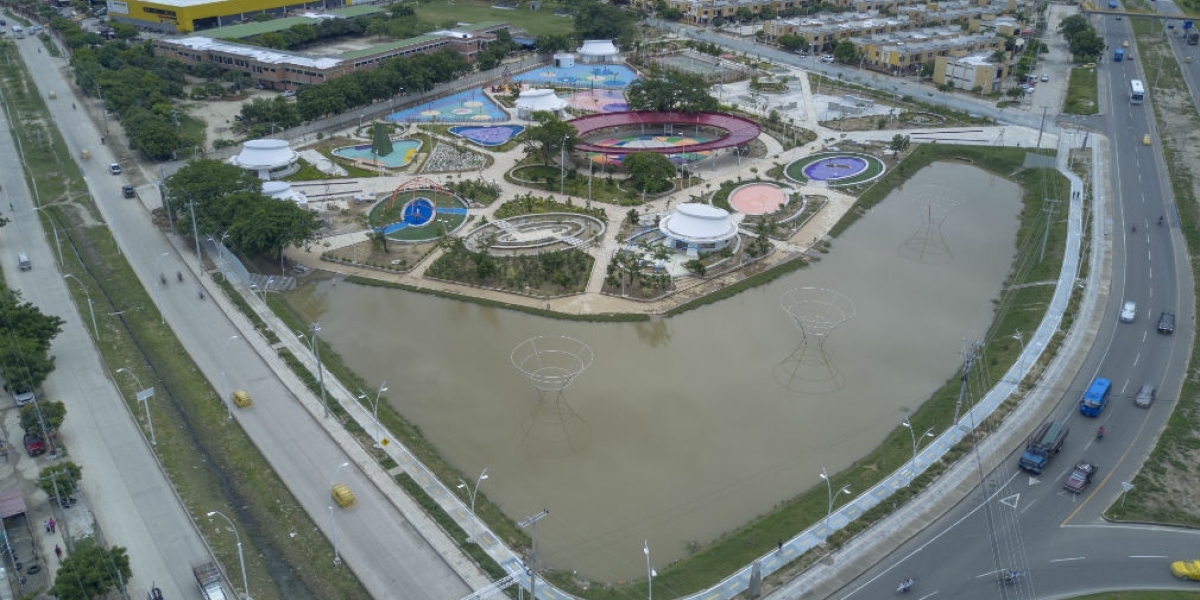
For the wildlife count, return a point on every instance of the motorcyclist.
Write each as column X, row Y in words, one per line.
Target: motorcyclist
column 1134, row 228
column 1100, row 432
column 905, row 585
column 1160, row 220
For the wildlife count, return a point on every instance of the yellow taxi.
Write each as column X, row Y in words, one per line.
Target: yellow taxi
column 1146, row 140
column 1126, row 44
column 242, row 398
column 1186, row 569
column 342, row 495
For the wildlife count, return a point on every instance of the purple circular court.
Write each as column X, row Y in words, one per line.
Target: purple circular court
column 834, row 168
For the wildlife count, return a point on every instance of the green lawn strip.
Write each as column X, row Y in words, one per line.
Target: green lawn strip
column 1157, row 483
column 1082, row 94
column 211, row 465
column 1142, row 595
column 541, row 22
column 573, row 183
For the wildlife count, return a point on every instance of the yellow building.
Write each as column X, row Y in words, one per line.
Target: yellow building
column 177, row 16
column 968, row 72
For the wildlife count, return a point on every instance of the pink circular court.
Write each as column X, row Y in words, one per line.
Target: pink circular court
column 757, row 199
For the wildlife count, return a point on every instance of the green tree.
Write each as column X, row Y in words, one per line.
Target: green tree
column 63, row 476
column 554, row 42
column 900, row 143
column 549, row 137
column 663, row 90
column 1072, row 25
column 91, row 571
column 846, row 52
column 25, row 336
column 1086, row 46
column 381, row 140
column 649, row 171
column 597, row 21
column 54, row 414
column 792, row 42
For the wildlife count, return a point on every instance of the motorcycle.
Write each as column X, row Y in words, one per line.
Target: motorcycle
column 1100, row 433
column 178, row 276
column 905, row 586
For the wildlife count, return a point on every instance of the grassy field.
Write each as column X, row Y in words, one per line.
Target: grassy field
column 210, row 464
column 542, row 22
column 1081, row 93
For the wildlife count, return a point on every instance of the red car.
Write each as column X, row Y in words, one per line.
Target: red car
column 1080, row 477
column 34, row 444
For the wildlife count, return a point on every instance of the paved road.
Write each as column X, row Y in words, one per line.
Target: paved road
column 1013, row 520
column 132, row 500
column 388, row 555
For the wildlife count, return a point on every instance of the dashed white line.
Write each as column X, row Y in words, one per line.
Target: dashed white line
column 1074, row 558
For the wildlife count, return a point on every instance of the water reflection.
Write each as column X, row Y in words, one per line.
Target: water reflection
column 688, row 433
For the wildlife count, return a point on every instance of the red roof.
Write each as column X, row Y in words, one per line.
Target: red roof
column 738, row 130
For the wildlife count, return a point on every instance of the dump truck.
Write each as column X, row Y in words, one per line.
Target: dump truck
column 1118, row 55
column 208, row 577
column 1043, row 444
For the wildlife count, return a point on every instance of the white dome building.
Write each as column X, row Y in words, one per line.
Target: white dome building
column 598, row 51
column 697, row 227
column 270, row 159
column 539, row 100
column 282, row 190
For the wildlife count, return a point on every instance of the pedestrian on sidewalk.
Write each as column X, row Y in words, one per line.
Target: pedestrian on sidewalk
column 52, row 525
column 46, row 525
column 58, row 552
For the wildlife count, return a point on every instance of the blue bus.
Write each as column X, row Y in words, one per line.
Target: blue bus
column 1096, row 397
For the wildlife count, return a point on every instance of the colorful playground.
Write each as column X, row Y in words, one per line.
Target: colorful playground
column 419, row 210
column 636, row 143
column 471, row 106
column 580, row 76
column 599, row 100
column 403, row 152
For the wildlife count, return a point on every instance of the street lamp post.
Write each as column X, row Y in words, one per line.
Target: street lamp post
column 91, row 311
column 162, row 278
column 912, row 434
column 375, row 409
column 473, row 490
column 829, row 484
column 337, row 558
column 649, row 571
column 224, row 379
column 562, row 165
column 316, row 350
column 145, row 400
column 241, row 557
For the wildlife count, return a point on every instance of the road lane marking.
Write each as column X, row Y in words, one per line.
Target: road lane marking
column 1154, row 556
column 1073, row 558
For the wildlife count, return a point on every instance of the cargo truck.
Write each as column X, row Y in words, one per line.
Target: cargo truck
column 208, row 577
column 1112, row 4
column 1043, row 444
column 1118, row 55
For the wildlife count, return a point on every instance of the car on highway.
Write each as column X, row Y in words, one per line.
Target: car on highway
column 1145, row 396
column 828, row 58
column 1080, row 477
column 1128, row 312
column 114, row 168
column 1166, row 322
column 1146, row 140
column 34, row 444
column 1045, row 77
column 1126, row 44
column 1186, row 569
column 128, row 191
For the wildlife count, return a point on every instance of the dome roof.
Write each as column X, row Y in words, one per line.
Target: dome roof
column 696, row 223
column 265, row 154
column 282, row 190
column 540, row 100
column 598, row 48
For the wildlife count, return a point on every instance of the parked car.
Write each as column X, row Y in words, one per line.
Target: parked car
column 1145, row 396
column 289, row 93
column 22, row 394
column 1186, row 569
column 1080, row 477
column 34, row 444
column 1166, row 322
column 114, row 168
column 1128, row 312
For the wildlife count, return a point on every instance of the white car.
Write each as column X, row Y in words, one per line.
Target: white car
column 1045, row 77
column 828, row 58
column 1128, row 312
column 288, row 93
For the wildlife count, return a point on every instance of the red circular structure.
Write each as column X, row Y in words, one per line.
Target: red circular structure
column 738, row 130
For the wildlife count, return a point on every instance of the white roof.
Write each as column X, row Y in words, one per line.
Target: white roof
column 696, row 223
column 598, row 48
column 262, row 55
column 282, row 190
column 265, row 154
column 540, row 100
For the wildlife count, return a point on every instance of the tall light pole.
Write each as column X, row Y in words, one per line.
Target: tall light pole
column 375, row 409
column 829, row 484
column 224, row 379
column 912, row 434
column 143, row 396
column 89, row 299
column 337, row 558
column 531, row 523
column 649, row 571
column 316, row 350
column 473, row 490
column 241, row 557
column 562, row 164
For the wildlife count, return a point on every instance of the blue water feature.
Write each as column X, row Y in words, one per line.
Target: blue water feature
column 403, row 152
column 471, row 106
column 418, row 212
column 600, row 76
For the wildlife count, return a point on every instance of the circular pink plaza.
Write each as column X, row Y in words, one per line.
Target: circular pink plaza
column 757, row 199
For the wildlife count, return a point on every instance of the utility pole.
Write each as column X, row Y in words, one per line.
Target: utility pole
column 1049, row 210
column 1041, row 128
column 968, row 362
column 58, row 498
column 196, row 236
column 531, row 523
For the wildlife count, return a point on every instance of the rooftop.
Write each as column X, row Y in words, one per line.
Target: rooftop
column 245, row 30
column 413, row 41
column 202, row 43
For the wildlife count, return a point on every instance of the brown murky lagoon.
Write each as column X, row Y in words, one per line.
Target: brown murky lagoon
column 687, row 428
